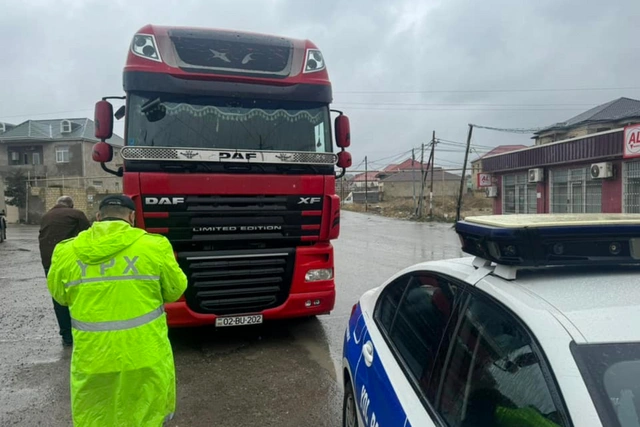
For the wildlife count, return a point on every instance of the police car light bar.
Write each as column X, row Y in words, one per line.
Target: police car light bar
column 552, row 239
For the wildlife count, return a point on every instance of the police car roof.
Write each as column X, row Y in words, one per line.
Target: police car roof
column 601, row 302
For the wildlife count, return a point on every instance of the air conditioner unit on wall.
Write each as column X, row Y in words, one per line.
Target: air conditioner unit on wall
column 536, row 175
column 601, row 170
column 492, row 191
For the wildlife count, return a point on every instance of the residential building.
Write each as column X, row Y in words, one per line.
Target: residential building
column 590, row 173
column 56, row 152
column 611, row 115
column 476, row 165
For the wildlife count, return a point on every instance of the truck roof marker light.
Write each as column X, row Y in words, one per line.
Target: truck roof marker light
column 145, row 46
column 314, row 61
column 542, row 240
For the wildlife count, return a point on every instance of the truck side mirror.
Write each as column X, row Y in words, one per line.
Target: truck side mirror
column 103, row 118
column 344, row 160
column 343, row 131
column 102, row 152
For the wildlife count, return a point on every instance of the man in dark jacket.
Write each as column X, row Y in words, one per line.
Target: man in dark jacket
column 60, row 223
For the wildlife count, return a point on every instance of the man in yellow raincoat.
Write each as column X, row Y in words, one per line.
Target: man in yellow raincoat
column 115, row 280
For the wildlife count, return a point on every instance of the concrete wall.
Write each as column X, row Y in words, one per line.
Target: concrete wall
column 44, row 198
column 405, row 189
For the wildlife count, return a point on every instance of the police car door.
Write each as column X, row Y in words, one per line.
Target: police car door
column 400, row 346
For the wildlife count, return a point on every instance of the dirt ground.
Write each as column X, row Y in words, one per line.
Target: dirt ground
column 444, row 210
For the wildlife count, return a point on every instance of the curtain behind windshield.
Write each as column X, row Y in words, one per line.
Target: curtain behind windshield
column 227, row 124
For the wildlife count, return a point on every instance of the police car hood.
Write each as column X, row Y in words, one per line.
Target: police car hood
column 105, row 239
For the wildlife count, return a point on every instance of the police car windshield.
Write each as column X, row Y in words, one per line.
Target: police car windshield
column 612, row 374
column 167, row 120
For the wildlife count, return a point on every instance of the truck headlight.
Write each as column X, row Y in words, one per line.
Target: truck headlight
column 144, row 45
column 314, row 61
column 319, row 274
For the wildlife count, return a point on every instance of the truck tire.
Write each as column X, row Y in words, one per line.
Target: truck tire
column 3, row 234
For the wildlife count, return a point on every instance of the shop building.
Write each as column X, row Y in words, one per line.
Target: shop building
column 597, row 171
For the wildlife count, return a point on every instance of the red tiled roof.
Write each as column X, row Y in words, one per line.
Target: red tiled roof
column 371, row 176
column 407, row 165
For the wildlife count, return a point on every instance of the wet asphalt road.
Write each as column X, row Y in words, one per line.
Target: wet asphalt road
column 277, row 374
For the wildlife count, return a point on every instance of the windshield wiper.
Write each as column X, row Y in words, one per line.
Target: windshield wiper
column 150, row 105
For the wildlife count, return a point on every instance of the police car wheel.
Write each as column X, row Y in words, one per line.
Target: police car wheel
column 349, row 416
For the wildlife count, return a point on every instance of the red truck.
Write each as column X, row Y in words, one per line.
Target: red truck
column 229, row 154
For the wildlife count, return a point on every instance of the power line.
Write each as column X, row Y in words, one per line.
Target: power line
column 45, row 114
column 584, row 89
column 374, row 108
column 463, row 104
column 513, row 130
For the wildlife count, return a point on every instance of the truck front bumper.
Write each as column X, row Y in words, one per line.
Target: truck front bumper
column 179, row 315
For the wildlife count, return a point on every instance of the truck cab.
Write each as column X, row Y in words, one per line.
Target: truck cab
column 229, row 154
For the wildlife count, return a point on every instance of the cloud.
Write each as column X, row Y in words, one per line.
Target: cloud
column 399, row 69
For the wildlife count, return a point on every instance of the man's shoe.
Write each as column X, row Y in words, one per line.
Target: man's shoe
column 67, row 342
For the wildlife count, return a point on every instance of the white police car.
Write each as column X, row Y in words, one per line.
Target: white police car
column 541, row 328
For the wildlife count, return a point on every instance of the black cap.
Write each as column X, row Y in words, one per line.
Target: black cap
column 118, row 200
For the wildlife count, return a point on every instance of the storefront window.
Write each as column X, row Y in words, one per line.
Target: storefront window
column 573, row 191
column 632, row 187
column 518, row 196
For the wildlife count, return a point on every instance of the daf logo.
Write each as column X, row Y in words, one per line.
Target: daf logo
column 163, row 200
column 309, row 200
column 236, row 156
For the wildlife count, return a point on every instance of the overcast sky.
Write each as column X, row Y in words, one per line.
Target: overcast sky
column 399, row 69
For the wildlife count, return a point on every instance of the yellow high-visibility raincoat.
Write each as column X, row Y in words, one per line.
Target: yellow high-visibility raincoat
column 115, row 279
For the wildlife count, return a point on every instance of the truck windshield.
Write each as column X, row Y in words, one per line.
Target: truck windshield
column 612, row 375
column 167, row 120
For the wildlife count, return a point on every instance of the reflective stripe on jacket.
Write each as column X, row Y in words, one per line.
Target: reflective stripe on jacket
column 115, row 280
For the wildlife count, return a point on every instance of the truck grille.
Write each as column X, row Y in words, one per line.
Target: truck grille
column 220, row 220
column 236, row 282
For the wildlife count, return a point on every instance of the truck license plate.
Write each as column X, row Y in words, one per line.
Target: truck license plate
column 239, row 320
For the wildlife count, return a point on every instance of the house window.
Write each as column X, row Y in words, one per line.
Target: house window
column 65, row 126
column 62, row 154
column 631, row 188
column 15, row 158
column 25, row 158
column 574, row 191
column 36, row 159
column 518, row 195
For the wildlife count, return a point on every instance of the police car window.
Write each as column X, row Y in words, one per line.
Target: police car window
column 389, row 300
column 612, row 375
column 418, row 326
column 494, row 376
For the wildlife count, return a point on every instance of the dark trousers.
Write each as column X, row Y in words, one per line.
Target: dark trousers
column 63, row 316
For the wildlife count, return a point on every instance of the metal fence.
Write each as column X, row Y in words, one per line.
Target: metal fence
column 631, row 187
column 518, row 195
column 574, row 191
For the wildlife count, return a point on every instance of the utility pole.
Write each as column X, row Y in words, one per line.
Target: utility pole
column 366, row 185
column 342, row 191
column 413, row 176
column 424, row 182
column 419, row 208
column 464, row 172
column 433, row 158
